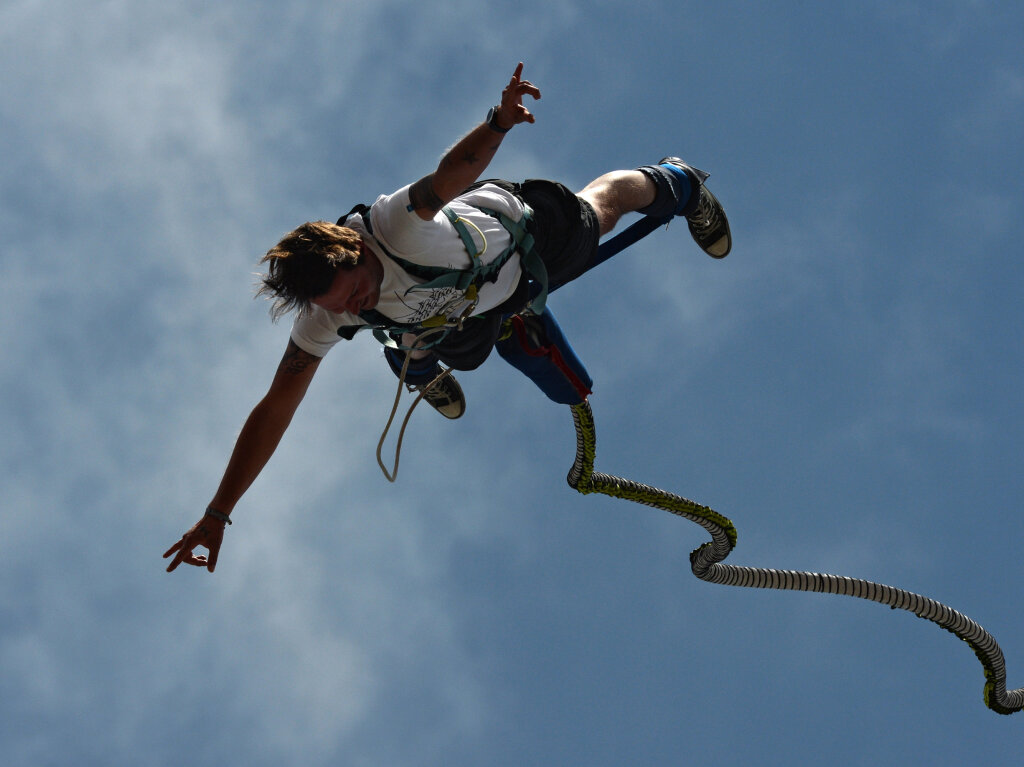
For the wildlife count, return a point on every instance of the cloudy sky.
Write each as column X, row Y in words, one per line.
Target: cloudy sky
column 846, row 387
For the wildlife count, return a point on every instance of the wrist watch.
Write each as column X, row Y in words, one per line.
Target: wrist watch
column 492, row 121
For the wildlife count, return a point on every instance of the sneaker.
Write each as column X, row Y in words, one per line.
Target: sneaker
column 706, row 219
column 445, row 397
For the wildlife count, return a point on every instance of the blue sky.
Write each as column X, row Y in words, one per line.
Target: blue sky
column 845, row 387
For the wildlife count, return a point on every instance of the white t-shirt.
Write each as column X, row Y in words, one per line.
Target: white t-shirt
column 429, row 243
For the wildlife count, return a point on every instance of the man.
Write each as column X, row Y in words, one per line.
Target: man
column 435, row 268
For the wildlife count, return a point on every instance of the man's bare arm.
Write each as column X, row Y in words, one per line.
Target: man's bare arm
column 256, row 443
column 466, row 161
column 266, row 426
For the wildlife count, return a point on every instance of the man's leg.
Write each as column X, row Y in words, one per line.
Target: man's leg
column 671, row 188
column 615, row 194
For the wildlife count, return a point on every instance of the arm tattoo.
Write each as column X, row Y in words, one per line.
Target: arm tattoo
column 295, row 360
column 422, row 195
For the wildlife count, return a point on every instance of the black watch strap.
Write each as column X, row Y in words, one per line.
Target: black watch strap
column 492, row 121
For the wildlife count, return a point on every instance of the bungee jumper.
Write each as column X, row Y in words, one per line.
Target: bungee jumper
column 447, row 269
column 444, row 270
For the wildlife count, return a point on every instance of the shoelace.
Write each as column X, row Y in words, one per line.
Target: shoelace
column 436, row 393
column 705, row 218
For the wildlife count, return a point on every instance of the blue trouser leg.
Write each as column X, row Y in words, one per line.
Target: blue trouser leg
column 420, row 371
column 538, row 349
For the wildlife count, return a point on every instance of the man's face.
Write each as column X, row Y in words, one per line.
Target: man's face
column 354, row 288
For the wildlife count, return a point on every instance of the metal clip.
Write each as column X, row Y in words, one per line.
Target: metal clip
column 466, row 314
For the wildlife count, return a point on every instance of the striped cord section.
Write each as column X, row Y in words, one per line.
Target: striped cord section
column 706, row 564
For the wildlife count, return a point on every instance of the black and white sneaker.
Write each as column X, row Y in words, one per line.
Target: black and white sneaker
column 445, row 396
column 705, row 216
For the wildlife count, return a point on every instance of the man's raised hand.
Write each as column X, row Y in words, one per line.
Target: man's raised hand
column 511, row 110
column 208, row 532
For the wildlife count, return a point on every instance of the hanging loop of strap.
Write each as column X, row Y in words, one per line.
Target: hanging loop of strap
column 418, row 343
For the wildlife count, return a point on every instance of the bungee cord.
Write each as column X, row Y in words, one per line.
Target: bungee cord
column 706, row 564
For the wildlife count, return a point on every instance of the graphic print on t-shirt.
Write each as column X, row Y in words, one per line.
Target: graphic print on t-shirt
column 427, row 304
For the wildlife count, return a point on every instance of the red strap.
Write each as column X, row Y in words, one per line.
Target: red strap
column 551, row 351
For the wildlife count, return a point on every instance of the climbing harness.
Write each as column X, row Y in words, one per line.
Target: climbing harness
column 468, row 281
column 705, row 562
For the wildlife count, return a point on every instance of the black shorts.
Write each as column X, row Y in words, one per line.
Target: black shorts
column 566, row 234
column 565, row 229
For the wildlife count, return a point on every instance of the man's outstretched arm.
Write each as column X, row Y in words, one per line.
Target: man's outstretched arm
column 466, row 161
column 256, row 443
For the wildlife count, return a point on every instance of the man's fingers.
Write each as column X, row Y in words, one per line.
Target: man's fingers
column 185, row 555
column 194, row 559
column 173, row 548
column 513, row 96
column 533, row 90
column 200, row 535
column 521, row 87
column 213, row 547
column 176, row 561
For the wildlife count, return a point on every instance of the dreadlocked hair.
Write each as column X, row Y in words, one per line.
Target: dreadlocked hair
column 303, row 264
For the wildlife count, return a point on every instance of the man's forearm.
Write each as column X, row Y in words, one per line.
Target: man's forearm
column 256, row 443
column 459, row 167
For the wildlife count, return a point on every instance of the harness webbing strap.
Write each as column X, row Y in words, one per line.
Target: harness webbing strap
column 528, row 256
column 463, row 230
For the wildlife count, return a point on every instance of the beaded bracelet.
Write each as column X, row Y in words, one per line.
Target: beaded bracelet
column 211, row 512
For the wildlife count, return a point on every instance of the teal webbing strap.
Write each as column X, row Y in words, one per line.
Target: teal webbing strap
column 463, row 230
column 528, row 257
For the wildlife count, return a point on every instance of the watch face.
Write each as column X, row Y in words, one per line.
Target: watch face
column 491, row 116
